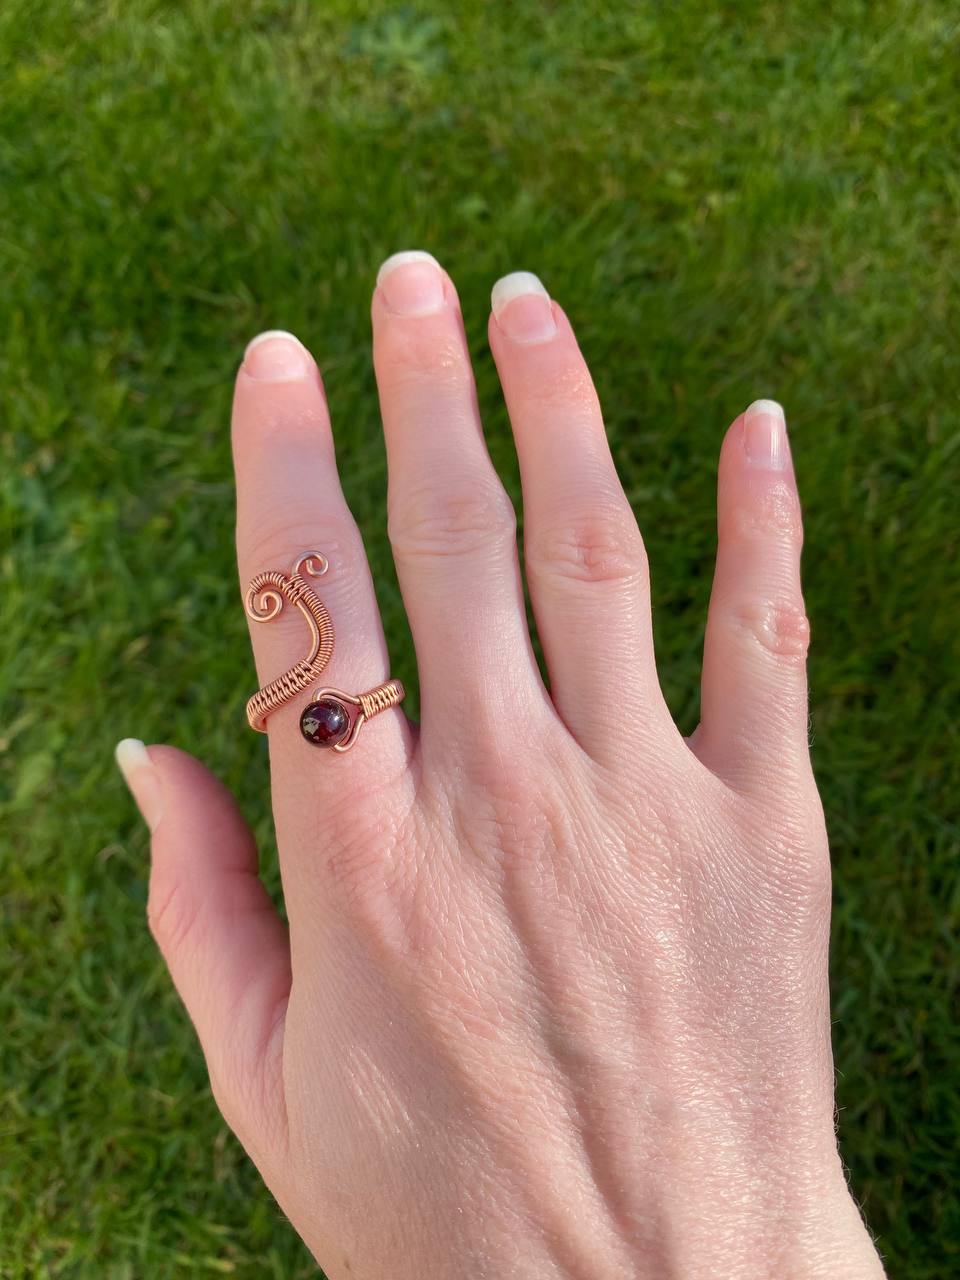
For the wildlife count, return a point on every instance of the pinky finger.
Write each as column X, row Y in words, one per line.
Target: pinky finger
column 753, row 724
column 223, row 942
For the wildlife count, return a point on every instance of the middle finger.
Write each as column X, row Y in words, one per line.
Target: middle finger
column 451, row 522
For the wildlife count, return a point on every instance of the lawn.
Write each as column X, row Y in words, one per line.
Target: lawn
column 730, row 200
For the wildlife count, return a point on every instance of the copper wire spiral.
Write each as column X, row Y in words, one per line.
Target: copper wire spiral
column 263, row 601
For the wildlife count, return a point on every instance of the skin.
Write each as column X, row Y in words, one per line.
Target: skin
column 553, row 1000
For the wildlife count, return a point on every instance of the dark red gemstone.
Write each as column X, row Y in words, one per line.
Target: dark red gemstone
column 325, row 723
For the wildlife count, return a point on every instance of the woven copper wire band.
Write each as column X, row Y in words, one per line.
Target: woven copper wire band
column 379, row 699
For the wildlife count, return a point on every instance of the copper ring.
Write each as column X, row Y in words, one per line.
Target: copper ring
column 332, row 718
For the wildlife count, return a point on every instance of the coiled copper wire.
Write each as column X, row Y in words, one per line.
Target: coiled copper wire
column 264, row 599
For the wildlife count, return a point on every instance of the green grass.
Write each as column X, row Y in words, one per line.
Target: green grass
column 731, row 200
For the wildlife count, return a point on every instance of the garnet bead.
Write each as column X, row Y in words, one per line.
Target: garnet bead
column 325, row 723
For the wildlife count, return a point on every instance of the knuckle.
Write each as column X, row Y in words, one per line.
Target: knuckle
column 775, row 514
column 413, row 353
column 281, row 536
column 781, row 627
column 569, row 389
column 795, row 861
column 224, row 1091
column 370, row 879
column 247, row 1080
column 603, row 545
column 171, row 914
column 515, row 808
column 431, row 523
column 819, row 885
column 278, row 420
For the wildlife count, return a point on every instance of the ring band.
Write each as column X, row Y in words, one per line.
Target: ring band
column 332, row 718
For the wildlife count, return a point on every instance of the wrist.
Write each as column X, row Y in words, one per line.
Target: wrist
column 792, row 1223
column 677, row 1231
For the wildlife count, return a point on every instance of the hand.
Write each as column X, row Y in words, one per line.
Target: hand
column 554, row 996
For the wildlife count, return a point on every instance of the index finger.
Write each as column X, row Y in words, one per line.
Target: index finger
column 289, row 501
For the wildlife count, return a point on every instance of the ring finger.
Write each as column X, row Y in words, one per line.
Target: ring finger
column 585, row 559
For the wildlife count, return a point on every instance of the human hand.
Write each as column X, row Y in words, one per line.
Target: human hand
column 553, row 1001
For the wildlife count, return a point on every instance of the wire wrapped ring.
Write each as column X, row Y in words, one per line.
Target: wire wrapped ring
column 332, row 718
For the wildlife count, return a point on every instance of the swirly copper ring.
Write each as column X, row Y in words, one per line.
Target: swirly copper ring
column 332, row 718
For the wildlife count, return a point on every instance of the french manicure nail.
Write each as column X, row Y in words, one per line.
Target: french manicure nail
column 522, row 308
column 411, row 283
column 140, row 775
column 277, row 356
column 765, row 435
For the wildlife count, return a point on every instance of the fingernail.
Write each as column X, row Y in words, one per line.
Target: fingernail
column 522, row 308
column 765, row 435
column 412, row 283
column 277, row 356
column 140, row 775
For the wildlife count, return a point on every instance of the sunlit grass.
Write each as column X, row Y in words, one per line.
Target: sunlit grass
column 730, row 201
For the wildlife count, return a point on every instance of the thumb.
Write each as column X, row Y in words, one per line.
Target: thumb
column 224, row 944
